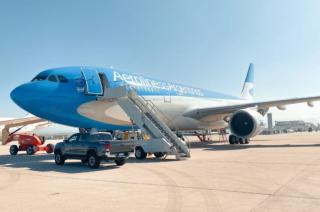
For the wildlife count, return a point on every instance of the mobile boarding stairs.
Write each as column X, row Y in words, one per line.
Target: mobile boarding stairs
column 150, row 120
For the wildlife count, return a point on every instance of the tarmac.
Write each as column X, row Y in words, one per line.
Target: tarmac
column 272, row 173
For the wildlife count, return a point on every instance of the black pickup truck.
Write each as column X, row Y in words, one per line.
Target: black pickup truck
column 91, row 148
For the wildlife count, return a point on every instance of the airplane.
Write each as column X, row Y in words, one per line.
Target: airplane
column 71, row 96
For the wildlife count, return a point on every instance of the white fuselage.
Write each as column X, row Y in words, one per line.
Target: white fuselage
column 172, row 106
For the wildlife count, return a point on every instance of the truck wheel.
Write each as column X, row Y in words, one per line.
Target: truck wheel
column 93, row 161
column 120, row 161
column 30, row 150
column 58, row 158
column 158, row 154
column 49, row 148
column 13, row 149
column 139, row 153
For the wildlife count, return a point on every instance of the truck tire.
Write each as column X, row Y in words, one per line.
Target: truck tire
column 93, row 160
column 58, row 158
column 13, row 149
column 49, row 148
column 30, row 150
column 120, row 161
column 158, row 154
column 139, row 153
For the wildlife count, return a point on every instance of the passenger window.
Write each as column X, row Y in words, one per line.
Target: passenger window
column 53, row 78
column 62, row 79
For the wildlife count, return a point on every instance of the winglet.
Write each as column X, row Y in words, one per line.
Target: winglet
column 247, row 90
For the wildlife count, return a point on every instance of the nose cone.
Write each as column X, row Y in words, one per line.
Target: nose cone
column 16, row 94
column 22, row 95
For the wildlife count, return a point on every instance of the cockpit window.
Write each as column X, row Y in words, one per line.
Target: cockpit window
column 62, row 79
column 40, row 77
column 53, row 78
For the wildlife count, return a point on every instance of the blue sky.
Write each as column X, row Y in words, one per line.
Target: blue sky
column 205, row 43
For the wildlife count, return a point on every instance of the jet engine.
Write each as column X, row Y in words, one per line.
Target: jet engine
column 246, row 123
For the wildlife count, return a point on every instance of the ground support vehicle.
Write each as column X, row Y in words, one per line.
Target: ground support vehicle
column 92, row 148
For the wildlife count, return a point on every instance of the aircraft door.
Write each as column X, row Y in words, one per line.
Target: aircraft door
column 93, row 81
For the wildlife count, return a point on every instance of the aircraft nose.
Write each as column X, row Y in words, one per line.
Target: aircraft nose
column 16, row 94
column 21, row 95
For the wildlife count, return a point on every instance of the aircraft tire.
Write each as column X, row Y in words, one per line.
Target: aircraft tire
column 241, row 141
column 232, row 139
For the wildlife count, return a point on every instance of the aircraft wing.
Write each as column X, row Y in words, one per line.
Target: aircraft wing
column 15, row 123
column 203, row 113
column 21, row 121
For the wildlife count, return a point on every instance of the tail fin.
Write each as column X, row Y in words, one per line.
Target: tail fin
column 247, row 90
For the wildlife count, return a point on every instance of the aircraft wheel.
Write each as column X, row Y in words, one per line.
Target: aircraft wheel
column 241, row 140
column 247, row 141
column 232, row 139
column 13, row 149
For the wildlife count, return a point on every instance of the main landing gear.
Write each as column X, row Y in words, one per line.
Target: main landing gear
column 238, row 140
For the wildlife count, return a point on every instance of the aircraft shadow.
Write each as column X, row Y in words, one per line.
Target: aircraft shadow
column 200, row 145
column 152, row 160
column 45, row 163
column 227, row 147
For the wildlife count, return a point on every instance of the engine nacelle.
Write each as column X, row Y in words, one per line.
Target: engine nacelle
column 246, row 123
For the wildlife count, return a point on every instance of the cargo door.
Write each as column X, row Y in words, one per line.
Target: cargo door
column 93, row 81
